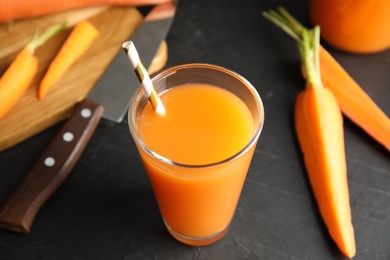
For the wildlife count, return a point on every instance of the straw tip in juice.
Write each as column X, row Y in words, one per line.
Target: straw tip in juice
column 160, row 109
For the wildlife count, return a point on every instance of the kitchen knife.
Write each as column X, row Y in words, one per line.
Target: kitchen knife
column 111, row 94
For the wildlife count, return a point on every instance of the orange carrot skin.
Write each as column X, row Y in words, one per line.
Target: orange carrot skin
column 353, row 101
column 319, row 128
column 18, row 9
column 77, row 43
column 16, row 79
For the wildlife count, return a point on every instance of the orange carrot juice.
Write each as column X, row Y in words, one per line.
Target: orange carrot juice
column 361, row 26
column 197, row 156
column 205, row 124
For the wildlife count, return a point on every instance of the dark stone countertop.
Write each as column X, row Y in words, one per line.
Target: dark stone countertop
column 106, row 209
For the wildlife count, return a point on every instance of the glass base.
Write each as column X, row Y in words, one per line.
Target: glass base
column 197, row 241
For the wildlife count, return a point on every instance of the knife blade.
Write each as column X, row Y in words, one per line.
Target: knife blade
column 111, row 94
column 155, row 27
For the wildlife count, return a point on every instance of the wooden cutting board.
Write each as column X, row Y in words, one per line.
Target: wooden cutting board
column 31, row 115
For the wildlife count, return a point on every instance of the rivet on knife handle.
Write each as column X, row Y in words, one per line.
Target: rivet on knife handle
column 19, row 210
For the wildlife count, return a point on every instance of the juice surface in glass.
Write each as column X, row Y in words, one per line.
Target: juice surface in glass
column 204, row 124
column 197, row 155
column 360, row 26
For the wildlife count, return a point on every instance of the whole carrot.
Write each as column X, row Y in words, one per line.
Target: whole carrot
column 19, row 75
column 79, row 40
column 352, row 99
column 354, row 102
column 14, row 9
column 319, row 128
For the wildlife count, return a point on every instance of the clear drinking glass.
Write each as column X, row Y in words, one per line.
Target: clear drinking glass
column 197, row 202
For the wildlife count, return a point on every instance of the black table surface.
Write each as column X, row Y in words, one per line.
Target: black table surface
column 106, row 209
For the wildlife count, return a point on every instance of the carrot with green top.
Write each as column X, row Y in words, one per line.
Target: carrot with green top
column 22, row 71
column 353, row 101
column 77, row 43
column 319, row 128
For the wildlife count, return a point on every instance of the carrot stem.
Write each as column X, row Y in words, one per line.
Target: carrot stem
column 77, row 43
column 44, row 37
column 353, row 101
column 20, row 74
column 319, row 128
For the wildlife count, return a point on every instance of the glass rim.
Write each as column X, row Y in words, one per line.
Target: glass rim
column 171, row 70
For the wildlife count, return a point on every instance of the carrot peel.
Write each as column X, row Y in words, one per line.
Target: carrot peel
column 19, row 75
column 319, row 128
column 79, row 40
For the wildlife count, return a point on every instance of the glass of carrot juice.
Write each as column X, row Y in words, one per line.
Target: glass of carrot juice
column 197, row 155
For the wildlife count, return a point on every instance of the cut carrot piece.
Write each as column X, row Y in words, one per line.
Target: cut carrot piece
column 78, row 42
column 319, row 127
column 19, row 75
column 17, row 79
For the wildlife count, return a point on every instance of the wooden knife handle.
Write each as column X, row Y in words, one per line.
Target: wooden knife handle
column 51, row 169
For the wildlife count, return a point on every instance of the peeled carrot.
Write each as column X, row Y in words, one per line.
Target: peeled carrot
column 79, row 40
column 353, row 101
column 16, row 9
column 19, row 75
column 319, row 128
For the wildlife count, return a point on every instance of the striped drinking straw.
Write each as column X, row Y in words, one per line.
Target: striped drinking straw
column 143, row 77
